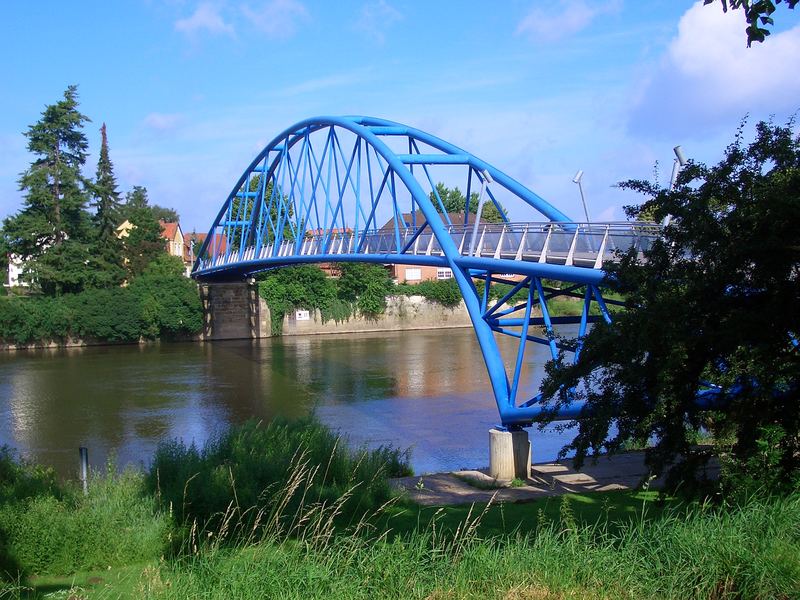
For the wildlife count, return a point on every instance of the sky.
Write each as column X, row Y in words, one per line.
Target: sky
column 191, row 90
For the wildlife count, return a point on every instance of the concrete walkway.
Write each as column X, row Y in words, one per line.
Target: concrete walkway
column 621, row 472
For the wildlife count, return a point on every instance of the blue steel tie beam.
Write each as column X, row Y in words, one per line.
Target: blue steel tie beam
column 320, row 190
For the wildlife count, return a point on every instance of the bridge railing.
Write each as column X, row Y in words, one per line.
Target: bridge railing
column 572, row 244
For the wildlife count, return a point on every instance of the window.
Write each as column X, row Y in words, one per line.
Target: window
column 445, row 273
column 413, row 274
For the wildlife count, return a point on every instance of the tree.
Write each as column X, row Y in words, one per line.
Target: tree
column 757, row 13
column 716, row 300
column 454, row 201
column 137, row 198
column 107, row 248
column 55, row 197
column 144, row 242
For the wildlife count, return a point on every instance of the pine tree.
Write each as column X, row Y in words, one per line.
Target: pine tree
column 106, row 248
column 54, row 212
column 107, row 203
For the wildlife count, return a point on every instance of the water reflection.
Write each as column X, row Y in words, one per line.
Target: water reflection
column 425, row 389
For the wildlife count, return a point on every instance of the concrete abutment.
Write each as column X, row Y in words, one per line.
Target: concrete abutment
column 509, row 454
column 234, row 310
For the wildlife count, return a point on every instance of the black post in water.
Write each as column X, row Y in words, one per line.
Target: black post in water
column 84, row 453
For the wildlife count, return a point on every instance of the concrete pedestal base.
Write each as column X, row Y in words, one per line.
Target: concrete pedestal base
column 509, row 454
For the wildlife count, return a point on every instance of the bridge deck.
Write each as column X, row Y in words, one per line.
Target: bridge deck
column 568, row 244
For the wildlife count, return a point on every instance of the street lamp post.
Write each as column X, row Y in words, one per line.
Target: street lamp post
column 577, row 179
column 486, row 179
column 677, row 165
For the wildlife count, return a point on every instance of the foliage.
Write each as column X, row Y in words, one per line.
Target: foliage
column 106, row 247
column 113, row 315
column 453, row 201
column 748, row 552
column 161, row 302
column 49, row 528
column 757, row 13
column 55, row 196
column 247, row 465
column 366, row 285
column 169, row 301
column 360, row 287
column 144, row 242
column 290, row 288
column 137, row 199
column 717, row 299
column 445, row 292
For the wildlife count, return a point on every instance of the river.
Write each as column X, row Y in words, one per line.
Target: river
column 423, row 390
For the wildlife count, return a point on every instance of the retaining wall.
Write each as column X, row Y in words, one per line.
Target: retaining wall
column 402, row 312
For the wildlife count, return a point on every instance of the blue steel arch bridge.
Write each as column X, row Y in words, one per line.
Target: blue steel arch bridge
column 361, row 189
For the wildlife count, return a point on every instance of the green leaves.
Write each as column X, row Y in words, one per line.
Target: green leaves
column 715, row 300
column 454, row 202
column 756, row 12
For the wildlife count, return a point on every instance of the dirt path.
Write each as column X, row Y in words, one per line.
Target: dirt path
column 620, row 472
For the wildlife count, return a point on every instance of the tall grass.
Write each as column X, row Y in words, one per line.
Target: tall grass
column 747, row 552
column 244, row 474
column 48, row 528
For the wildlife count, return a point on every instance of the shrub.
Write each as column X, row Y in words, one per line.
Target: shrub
column 244, row 468
column 114, row 525
column 170, row 303
column 112, row 314
column 47, row 528
column 445, row 292
column 302, row 286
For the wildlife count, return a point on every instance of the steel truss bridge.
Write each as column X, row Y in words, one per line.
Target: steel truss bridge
column 360, row 189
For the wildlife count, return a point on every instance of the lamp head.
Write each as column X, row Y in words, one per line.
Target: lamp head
column 679, row 155
column 578, row 177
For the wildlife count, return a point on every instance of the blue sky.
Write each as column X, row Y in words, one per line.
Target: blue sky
column 191, row 91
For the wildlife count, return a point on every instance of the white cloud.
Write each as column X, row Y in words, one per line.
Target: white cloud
column 206, row 18
column 162, row 121
column 376, row 18
column 323, row 83
column 278, row 19
column 569, row 17
column 708, row 77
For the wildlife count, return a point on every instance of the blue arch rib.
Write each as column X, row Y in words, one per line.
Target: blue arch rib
column 370, row 129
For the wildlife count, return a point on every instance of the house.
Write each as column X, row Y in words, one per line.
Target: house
column 15, row 266
column 192, row 242
column 173, row 235
column 413, row 274
column 170, row 232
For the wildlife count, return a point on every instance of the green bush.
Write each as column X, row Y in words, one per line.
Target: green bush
column 302, row 286
column 445, row 292
column 113, row 314
column 46, row 528
column 160, row 302
column 243, row 469
column 170, row 304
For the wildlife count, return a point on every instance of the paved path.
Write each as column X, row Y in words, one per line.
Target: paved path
column 620, row 472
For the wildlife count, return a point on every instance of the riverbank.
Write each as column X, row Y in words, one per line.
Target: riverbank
column 288, row 511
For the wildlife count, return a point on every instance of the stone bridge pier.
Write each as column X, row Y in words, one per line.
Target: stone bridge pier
column 234, row 310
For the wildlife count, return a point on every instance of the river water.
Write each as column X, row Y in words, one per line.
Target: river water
column 423, row 390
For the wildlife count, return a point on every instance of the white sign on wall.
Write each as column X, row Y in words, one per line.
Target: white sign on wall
column 302, row 315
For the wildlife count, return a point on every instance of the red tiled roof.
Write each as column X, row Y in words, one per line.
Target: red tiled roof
column 199, row 239
column 168, row 229
column 456, row 218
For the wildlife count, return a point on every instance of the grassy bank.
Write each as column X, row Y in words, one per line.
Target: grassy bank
column 286, row 510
